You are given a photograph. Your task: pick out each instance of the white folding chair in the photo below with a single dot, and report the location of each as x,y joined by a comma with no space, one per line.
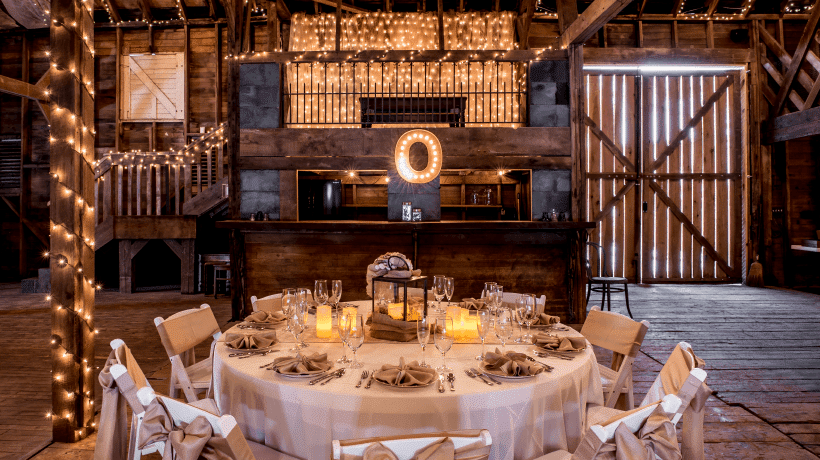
598,435
180,333
224,426
680,376
270,303
512,297
470,444
130,379
623,337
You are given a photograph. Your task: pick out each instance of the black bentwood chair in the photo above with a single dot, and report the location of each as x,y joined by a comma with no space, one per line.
604,283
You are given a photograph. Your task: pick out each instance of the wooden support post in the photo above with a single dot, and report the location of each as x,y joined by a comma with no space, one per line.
126,268
72,192
151,48
217,76
117,96
234,29
567,13
25,158
273,27
577,127
339,24
186,87
440,12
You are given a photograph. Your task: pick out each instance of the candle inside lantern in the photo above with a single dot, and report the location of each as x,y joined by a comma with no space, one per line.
396,310
352,311
470,324
458,328
324,322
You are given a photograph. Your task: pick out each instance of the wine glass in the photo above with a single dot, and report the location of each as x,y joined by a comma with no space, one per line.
530,313
487,295
296,324
423,333
520,311
444,338
449,286
288,302
438,290
343,323
320,293
483,325
337,292
503,327
302,296
355,338
498,297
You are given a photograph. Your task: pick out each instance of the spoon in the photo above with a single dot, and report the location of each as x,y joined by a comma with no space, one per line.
451,378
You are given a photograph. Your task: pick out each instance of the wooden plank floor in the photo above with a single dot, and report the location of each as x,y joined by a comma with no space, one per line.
760,348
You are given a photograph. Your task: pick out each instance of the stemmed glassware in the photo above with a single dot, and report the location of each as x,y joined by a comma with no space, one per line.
337,292
503,327
438,290
519,312
302,299
296,322
320,293
449,286
530,312
498,297
355,338
483,325
343,323
423,333
444,338
288,303
488,294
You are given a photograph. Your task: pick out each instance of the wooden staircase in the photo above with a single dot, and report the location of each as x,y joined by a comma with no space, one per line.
142,196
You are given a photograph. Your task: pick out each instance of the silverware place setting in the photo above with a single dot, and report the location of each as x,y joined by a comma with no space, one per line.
552,354
370,380
451,378
364,376
477,376
546,367
484,374
335,375
249,353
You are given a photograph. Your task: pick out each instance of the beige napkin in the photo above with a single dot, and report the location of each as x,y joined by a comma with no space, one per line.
511,363
112,437
439,450
384,327
302,364
553,343
184,442
405,375
250,341
657,437
546,320
472,304
263,316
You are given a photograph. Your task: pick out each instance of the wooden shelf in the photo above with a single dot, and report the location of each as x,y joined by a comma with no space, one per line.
495,206
364,205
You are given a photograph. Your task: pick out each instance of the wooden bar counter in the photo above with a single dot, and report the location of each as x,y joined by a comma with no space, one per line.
534,257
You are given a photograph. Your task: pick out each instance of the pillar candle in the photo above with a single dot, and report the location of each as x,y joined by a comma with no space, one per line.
455,313
324,322
396,310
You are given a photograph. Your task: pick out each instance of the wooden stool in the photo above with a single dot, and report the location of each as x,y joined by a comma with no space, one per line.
608,284
222,273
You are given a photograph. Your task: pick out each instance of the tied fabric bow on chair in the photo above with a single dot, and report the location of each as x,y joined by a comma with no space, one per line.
439,450
186,442
657,437
112,439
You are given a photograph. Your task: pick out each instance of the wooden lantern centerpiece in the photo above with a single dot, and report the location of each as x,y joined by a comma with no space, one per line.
396,302
395,310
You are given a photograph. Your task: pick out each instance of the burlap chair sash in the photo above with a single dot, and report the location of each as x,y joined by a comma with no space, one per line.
183,332
187,441
462,445
112,438
614,332
657,437
270,304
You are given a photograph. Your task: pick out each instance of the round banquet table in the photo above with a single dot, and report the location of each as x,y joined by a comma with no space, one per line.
525,417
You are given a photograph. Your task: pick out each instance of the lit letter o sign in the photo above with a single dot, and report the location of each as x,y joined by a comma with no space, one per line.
434,156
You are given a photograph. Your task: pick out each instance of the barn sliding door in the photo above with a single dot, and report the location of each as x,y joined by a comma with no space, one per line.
664,162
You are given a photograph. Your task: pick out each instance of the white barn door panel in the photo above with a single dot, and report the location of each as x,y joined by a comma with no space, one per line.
153,87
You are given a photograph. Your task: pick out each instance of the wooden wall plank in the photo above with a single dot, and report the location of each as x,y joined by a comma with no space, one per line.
708,126
673,187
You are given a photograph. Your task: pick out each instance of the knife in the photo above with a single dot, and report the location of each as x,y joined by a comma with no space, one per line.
370,380
441,383
492,379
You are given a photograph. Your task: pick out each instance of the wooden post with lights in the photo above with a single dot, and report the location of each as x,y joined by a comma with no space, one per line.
72,219
236,241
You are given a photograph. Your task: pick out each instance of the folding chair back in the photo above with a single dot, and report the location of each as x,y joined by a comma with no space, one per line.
130,379
623,337
270,303
512,297
471,444
180,333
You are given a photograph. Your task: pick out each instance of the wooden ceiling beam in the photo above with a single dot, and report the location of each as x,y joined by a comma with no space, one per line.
748,11
145,9
410,56
567,13
797,60
525,13
20,88
676,9
641,8
712,7
183,10
593,18
112,11
211,8
345,6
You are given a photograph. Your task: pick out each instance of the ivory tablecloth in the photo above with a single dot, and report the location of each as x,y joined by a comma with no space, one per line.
525,418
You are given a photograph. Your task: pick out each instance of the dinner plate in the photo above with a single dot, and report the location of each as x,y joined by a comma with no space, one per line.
301,376
249,325
495,373
247,350
388,385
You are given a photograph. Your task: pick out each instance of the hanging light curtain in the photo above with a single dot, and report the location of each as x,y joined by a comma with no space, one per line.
322,94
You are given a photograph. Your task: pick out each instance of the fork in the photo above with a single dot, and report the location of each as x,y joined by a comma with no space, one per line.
364,376
263,353
479,376
547,367
543,354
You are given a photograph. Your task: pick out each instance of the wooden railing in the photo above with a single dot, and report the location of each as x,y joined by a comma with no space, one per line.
158,183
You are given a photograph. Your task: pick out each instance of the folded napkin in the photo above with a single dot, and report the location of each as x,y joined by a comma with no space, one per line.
546,320
472,304
554,343
250,341
383,326
405,375
511,363
263,316
301,364
439,450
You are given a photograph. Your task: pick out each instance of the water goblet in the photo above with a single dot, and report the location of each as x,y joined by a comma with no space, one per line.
288,302
449,286
320,293
498,297
484,324
487,295
520,310
444,336
355,338
503,327
337,292
297,326
423,333
530,313
438,290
